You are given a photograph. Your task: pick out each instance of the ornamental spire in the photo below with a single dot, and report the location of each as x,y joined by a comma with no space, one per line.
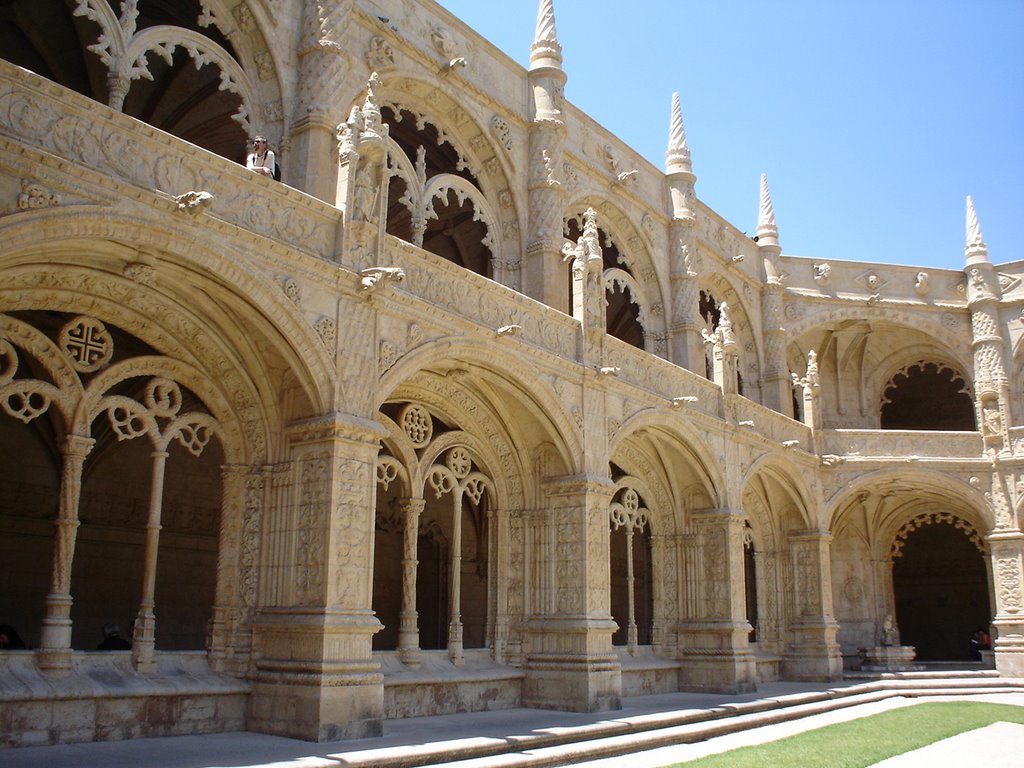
677,158
546,50
976,250
766,229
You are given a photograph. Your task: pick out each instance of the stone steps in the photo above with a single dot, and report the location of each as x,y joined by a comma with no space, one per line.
619,736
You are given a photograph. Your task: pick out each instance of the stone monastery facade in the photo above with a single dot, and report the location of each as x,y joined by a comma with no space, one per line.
474,409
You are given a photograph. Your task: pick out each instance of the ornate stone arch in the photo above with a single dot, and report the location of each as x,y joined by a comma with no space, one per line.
904,359
639,274
964,496
744,326
133,262
683,438
447,352
489,161
461,407
801,318
788,478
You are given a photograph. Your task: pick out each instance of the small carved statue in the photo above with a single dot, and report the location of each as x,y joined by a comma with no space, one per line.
889,633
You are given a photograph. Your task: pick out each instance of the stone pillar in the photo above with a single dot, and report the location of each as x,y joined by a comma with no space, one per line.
724,353
144,633
455,654
685,347
544,278
322,69
240,512
716,652
54,652
813,653
315,677
408,629
775,384
362,184
499,578
1006,544
571,664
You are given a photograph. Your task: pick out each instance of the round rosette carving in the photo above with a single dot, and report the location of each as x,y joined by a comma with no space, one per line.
417,425
86,343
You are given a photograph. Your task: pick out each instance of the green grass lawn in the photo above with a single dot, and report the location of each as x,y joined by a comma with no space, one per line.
867,740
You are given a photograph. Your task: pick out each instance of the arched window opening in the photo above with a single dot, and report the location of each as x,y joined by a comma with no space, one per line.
111,555
47,38
457,234
445,220
631,563
750,581
941,587
411,132
711,311
928,396
623,309
133,548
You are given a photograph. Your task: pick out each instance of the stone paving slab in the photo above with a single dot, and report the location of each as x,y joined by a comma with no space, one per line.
441,739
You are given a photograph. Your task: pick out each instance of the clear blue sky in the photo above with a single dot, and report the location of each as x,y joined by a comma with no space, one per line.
874,119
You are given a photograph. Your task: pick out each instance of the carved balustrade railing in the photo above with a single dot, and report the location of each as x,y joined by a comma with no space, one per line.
899,444
771,424
453,290
662,378
66,126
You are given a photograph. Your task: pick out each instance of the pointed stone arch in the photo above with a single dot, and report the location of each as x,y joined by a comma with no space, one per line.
636,276
488,160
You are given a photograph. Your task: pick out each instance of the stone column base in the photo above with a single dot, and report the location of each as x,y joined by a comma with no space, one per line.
563,673
315,677
814,654
718,671
890,658
319,707
1009,653
716,657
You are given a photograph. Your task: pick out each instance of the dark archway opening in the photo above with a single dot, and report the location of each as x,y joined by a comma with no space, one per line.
623,309
432,588
928,396
941,587
643,595
45,37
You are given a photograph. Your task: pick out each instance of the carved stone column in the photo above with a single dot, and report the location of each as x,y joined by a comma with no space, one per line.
363,180
724,353
813,653
323,65
241,501
54,653
455,654
144,634
315,677
684,327
544,278
1006,543
408,629
589,304
571,664
716,652
775,382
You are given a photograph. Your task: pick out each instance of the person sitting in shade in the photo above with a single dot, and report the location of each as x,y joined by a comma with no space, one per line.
261,159
112,640
10,640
